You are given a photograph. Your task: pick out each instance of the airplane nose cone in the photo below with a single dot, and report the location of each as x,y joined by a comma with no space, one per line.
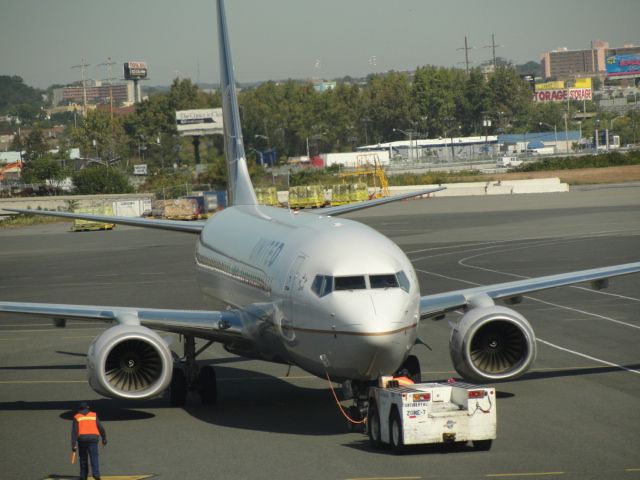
383,335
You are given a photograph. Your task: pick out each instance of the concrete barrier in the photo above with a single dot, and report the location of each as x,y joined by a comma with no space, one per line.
560,187
63,202
505,187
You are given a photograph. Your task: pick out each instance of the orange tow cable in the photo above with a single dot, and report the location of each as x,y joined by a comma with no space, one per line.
349,419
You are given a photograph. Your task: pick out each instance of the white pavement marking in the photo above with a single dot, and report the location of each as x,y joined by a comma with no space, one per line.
558,306
589,357
584,312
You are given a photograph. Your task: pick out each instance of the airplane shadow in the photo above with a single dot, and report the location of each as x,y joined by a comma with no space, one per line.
247,400
256,401
45,367
108,410
427,449
261,402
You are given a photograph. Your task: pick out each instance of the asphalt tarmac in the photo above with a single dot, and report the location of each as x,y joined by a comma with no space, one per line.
574,416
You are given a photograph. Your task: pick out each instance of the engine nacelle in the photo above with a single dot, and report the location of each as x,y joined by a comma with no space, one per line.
129,361
492,343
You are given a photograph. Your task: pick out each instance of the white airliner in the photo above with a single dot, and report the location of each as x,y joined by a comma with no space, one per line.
329,295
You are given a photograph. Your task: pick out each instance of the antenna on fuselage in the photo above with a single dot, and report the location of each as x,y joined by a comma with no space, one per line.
239,184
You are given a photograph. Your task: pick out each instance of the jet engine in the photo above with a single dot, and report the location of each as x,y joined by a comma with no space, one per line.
492,343
129,361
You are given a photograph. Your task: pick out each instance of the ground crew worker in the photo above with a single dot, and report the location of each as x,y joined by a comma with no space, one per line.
404,381
403,377
85,432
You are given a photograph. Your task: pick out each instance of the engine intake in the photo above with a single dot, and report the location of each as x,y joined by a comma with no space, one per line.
128,361
492,343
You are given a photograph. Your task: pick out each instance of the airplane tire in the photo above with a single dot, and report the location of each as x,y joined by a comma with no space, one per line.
178,389
373,425
395,433
208,386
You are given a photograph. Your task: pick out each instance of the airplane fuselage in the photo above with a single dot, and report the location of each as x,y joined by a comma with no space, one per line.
311,286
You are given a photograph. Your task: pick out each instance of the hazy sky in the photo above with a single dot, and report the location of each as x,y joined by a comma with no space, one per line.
275,39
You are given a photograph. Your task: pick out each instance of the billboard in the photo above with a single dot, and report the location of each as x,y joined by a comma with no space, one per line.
140,169
550,85
135,70
582,83
207,121
623,66
562,95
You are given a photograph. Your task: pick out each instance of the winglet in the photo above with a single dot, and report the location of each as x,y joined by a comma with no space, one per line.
241,190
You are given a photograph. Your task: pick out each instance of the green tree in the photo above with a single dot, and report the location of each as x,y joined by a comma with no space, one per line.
511,96
100,137
17,98
475,103
101,179
390,105
152,128
35,145
46,169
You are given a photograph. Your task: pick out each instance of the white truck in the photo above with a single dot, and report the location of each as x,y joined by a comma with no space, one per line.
506,162
426,413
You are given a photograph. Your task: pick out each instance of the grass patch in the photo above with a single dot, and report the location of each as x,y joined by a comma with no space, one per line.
27,219
602,160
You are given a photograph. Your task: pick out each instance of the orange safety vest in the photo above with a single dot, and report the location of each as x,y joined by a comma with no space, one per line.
87,423
402,381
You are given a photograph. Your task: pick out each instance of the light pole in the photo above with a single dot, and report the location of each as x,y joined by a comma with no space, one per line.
555,133
365,121
566,132
408,134
580,139
160,152
486,123
611,122
95,145
448,122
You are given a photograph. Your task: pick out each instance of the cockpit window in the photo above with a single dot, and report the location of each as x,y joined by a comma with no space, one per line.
404,281
325,284
322,285
383,281
355,282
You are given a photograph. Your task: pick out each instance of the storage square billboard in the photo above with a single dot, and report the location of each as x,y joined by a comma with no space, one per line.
205,121
562,95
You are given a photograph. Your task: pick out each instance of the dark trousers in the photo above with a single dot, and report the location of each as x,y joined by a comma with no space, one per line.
90,450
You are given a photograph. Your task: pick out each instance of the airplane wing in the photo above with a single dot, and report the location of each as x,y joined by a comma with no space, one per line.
213,325
175,225
352,207
441,303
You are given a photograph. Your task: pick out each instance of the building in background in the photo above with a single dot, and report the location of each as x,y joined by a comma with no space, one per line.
565,64
97,93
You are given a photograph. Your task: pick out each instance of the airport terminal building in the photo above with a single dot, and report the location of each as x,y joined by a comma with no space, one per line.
459,149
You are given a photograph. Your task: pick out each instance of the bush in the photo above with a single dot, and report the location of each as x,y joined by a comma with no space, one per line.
612,159
101,179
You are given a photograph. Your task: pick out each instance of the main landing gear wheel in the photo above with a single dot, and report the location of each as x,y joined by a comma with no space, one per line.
373,425
178,389
207,385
